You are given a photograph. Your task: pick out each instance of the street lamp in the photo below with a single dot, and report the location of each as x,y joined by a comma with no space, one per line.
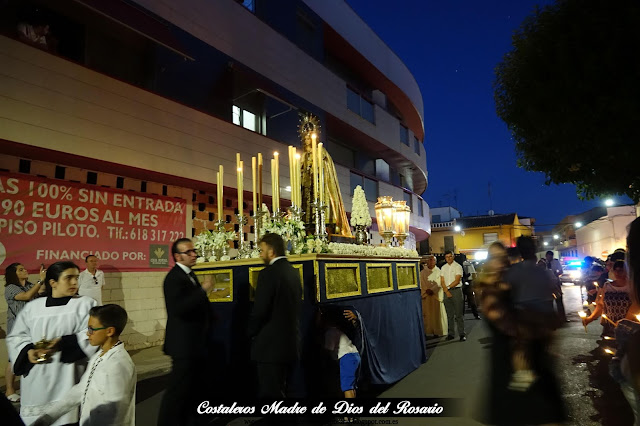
608,202
545,243
578,224
457,228
556,236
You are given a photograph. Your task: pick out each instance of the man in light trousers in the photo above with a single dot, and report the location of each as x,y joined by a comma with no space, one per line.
451,281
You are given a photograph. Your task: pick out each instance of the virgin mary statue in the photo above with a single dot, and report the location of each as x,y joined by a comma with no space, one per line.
336,217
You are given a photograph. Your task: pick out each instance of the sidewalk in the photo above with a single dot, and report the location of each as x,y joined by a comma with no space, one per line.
150,362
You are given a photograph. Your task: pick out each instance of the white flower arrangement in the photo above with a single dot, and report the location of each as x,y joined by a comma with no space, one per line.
207,243
289,228
360,209
315,245
367,251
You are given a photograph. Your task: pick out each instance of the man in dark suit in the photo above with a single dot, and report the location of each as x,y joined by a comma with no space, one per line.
188,320
275,321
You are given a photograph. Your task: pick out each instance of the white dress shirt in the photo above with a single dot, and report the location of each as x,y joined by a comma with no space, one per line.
187,271
449,273
91,285
106,393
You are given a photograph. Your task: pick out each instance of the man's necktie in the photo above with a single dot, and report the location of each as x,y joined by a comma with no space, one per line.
194,278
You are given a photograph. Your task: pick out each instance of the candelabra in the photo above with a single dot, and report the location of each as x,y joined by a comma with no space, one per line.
295,213
221,253
277,215
257,227
319,209
243,251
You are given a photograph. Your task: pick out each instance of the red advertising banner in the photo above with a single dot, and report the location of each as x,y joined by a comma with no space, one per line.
45,220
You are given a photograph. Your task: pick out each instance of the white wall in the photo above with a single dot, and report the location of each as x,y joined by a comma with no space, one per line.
447,214
604,235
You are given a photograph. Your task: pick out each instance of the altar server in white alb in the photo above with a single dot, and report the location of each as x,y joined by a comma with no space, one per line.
106,393
60,318
91,280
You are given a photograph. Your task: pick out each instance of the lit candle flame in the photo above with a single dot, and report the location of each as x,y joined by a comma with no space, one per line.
608,338
583,315
609,351
638,317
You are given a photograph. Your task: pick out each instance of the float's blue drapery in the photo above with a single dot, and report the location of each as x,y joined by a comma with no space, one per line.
394,341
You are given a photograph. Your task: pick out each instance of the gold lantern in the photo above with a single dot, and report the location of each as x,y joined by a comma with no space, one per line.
384,215
401,218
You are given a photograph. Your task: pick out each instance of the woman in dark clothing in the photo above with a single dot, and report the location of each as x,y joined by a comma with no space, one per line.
18,291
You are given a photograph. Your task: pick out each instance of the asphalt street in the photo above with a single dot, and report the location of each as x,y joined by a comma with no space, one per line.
459,370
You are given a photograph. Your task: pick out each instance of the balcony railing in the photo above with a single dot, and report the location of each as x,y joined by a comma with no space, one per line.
442,225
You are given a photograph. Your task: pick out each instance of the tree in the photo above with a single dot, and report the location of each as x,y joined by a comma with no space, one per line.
569,92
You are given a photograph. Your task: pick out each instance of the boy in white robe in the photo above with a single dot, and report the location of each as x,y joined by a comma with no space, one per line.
106,393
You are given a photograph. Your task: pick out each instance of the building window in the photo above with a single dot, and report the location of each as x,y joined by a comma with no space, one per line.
404,135
353,101
92,178
25,166
490,238
420,209
360,105
341,154
416,145
366,110
409,199
383,171
436,218
448,243
370,186
60,172
244,118
249,5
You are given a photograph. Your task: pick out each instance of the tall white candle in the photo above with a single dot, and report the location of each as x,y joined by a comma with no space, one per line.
298,175
240,186
276,157
260,165
220,192
254,177
314,158
273,185
291,181
320,174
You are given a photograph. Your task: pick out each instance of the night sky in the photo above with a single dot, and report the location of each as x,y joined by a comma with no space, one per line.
452,47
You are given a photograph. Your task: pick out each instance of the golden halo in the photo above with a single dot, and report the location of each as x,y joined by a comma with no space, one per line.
309,124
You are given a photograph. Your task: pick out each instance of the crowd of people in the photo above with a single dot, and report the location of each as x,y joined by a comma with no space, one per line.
65,343
56,325
66,347
522,302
